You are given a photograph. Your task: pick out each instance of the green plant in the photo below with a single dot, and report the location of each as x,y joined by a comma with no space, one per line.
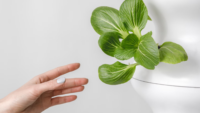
127,24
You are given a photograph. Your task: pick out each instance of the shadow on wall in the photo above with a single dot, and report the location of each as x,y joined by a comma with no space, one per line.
159,22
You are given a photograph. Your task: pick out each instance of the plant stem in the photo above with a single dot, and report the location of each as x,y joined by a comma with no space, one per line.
124,34
135,64
137,32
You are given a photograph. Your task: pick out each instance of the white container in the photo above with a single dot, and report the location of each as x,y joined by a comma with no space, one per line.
169,99
173,88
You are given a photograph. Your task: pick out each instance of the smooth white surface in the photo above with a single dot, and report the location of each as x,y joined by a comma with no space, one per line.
177,21
61,80
39,35
168,99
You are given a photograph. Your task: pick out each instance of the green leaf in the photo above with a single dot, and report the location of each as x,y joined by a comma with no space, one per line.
149,18
134,14
130,43
147,53
128,47
110,45
106,19
109,42
172,53
116,73
123,54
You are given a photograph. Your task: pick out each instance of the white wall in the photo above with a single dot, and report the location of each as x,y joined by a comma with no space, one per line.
39,35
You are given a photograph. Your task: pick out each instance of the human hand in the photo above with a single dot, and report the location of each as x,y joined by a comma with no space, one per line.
36,95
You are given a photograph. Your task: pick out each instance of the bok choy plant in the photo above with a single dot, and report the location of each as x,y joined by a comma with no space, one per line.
127,24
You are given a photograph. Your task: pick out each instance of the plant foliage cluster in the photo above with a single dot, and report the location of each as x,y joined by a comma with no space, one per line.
127,24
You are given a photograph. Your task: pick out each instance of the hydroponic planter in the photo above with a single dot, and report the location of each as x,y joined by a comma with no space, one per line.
173,88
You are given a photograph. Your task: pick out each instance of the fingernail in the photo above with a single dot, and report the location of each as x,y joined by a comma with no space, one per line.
61,80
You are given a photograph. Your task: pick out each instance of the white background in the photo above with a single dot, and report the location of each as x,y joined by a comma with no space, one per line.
39,35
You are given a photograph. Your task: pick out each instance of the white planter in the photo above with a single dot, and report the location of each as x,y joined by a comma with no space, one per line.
173,88
169,99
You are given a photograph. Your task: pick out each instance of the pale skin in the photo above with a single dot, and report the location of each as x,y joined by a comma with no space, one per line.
36,95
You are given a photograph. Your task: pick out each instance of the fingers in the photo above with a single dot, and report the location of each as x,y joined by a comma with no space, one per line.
52,74
53,85
69,90
62,100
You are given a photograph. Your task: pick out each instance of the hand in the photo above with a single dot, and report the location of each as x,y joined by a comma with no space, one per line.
36,95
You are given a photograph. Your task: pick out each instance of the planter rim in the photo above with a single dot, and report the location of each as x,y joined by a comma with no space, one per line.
153,83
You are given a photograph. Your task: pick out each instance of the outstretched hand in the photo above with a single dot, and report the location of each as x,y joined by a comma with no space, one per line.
36,95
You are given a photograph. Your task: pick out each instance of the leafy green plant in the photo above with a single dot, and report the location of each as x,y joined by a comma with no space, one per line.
126,24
